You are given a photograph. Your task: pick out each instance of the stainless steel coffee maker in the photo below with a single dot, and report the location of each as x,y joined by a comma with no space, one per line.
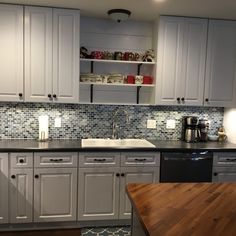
190,130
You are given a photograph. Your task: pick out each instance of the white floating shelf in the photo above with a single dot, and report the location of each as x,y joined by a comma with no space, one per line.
111,84
118,61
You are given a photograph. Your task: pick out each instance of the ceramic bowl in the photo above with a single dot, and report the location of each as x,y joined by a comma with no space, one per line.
212,137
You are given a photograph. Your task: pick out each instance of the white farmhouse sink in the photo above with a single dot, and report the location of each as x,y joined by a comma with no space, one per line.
118,143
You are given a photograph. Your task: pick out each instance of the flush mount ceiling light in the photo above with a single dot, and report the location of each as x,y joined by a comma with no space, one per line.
119,14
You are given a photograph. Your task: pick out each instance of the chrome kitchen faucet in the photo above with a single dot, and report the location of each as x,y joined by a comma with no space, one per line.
115,125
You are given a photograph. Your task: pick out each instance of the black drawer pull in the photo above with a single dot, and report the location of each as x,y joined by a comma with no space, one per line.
229,159
49,95
56,160
122,175
215,174
54,95
100,160
13,176
36,176
20,95
21,160
207,99
117,175
178,99
182,99
140,160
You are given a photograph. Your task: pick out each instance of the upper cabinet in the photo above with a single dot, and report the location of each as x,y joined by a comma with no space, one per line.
11,56
52,55
181,61
220,84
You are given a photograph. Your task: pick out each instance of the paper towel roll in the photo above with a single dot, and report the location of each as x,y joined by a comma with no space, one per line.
43,128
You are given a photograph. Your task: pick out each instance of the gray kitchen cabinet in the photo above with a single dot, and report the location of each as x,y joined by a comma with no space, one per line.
21,195
181,61
102,180
11,48
55,191
134,175
98,193
38,54
220,81
21,187
3,188
224,167
52,55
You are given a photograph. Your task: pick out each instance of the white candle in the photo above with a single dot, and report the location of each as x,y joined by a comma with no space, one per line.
43,127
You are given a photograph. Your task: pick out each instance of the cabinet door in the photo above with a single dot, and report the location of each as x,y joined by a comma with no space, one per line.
11,57
170,50
181,61
98,193
3,188
21,195
191,83
134,175
220,82
66,53
55,191
38,54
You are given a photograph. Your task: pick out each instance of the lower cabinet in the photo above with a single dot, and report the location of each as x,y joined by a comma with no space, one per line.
98,193
3,188
134,175
102,194
21,187
224,167
21,195
55,191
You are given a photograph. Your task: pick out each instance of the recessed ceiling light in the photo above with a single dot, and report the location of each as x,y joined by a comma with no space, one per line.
119,14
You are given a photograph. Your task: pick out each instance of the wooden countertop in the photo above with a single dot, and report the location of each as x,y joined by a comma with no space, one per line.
186,209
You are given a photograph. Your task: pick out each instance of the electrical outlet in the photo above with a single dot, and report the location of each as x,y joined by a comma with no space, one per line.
57,123
151,124
170,124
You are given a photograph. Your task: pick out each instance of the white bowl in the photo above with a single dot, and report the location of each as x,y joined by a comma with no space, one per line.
213,137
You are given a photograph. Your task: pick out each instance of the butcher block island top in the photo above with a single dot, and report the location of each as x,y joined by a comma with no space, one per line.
196,209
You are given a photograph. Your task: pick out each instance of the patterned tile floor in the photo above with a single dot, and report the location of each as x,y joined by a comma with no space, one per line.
109,231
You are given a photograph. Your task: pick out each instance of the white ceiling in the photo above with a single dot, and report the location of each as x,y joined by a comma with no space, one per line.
147,10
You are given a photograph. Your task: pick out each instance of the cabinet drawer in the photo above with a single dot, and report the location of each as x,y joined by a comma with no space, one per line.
224,174
89,159
58,159
21,160
140,158
224,159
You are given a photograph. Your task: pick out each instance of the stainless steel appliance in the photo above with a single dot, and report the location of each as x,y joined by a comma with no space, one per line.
183,167
190,130
203,126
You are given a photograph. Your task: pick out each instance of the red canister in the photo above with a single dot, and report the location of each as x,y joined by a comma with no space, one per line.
130,79
147,79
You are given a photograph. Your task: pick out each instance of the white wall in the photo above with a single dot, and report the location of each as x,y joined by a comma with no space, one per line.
229,124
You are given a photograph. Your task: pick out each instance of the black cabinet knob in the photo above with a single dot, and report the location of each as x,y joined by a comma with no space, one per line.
36,176
182,99
207,100
13,176
21,161
178,99
49,95
54,95
215,174
20,95
117,174
122,175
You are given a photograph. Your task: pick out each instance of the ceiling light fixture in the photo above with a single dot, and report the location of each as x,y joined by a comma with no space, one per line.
119,14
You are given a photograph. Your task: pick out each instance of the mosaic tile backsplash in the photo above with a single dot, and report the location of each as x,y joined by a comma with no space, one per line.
20,120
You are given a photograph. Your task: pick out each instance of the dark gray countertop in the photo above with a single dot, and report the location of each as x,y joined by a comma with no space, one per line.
20,145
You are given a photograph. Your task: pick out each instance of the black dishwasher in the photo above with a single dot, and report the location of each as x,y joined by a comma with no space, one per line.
186,167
